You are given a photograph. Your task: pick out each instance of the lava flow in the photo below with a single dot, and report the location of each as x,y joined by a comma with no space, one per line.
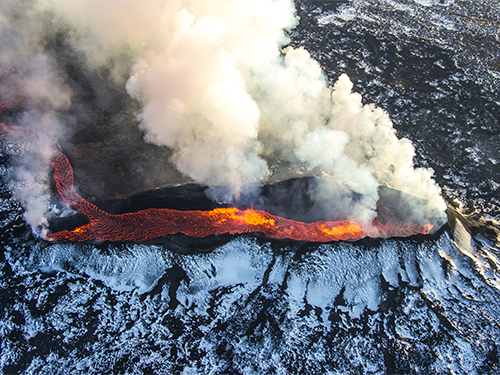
160,222
154,223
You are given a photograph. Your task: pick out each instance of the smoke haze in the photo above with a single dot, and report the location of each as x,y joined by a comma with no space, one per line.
23,37
220,88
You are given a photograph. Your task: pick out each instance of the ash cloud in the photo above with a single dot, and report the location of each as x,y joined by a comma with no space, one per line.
237,107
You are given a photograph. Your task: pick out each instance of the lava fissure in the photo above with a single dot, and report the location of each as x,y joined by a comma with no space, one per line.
160,222
154,223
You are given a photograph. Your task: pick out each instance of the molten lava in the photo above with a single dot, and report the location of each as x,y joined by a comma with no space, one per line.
160,222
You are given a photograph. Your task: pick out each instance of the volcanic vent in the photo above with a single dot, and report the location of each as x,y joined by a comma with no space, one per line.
154,223
349,168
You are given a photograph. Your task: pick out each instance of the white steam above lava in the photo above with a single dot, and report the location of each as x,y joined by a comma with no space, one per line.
219,86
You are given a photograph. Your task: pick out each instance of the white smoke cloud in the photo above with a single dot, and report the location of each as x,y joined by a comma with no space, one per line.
233,104
351,191
196,103
22,36
28,178
31,192
223,95
238,108
373,144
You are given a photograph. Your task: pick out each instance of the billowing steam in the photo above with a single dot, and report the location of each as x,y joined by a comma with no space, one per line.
238,108
23,35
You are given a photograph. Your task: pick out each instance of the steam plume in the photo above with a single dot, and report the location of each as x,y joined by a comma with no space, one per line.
238,108
23,35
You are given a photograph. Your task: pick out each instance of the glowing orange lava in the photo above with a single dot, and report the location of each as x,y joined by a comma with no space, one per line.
161,222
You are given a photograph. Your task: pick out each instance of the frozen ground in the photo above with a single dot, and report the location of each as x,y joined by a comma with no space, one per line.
253,307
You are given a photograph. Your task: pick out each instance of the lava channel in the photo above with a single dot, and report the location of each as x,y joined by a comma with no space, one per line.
156,223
